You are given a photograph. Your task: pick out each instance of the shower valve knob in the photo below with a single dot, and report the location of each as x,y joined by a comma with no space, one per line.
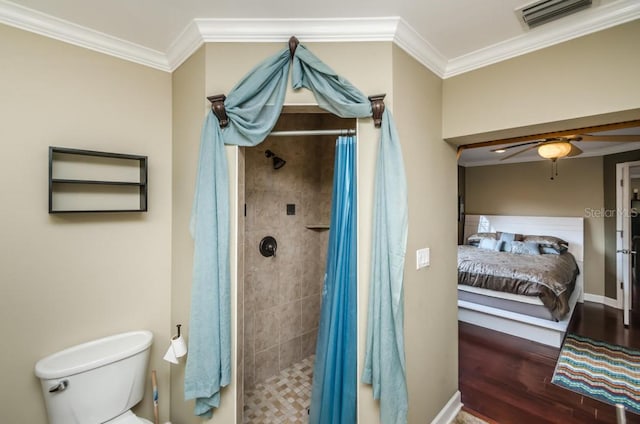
268,247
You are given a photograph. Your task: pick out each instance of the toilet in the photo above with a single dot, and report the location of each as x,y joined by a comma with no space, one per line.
98,381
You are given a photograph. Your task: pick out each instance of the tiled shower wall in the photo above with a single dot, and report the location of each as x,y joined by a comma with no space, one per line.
282,294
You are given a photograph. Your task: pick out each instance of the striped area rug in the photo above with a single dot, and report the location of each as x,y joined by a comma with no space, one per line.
605,372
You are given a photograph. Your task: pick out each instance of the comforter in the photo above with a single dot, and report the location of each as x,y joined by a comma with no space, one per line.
549,277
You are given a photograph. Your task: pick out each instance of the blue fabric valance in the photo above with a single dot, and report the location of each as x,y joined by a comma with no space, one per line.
253,107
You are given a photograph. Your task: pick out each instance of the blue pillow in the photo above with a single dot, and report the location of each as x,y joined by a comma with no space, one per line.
548,250
548,241
474,239
525,248
507,239
490,244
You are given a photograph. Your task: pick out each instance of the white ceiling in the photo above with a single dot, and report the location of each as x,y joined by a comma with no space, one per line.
449,37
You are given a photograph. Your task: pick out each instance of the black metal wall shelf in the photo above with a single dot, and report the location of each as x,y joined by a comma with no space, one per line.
116,182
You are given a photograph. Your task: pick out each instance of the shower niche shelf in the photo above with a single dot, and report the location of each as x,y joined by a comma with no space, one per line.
317,227
92,181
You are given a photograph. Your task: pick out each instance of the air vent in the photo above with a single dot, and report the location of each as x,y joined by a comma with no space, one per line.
547,10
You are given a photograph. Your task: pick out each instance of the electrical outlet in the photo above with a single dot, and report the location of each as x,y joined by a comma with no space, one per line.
422,258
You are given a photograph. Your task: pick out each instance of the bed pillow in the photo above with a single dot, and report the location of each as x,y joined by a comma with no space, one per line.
548,250
548,241
516,236
474,239
490,244
525,248
507,239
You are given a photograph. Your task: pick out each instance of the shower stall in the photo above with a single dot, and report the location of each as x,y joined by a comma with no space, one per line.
286,198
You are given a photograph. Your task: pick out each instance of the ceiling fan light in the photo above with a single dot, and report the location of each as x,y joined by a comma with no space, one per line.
555,150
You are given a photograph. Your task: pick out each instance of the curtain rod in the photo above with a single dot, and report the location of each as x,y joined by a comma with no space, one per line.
346,131
218,108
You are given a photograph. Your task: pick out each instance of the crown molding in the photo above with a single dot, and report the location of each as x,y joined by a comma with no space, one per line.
311,30
590,21
393,29
420,49
189,40
40,23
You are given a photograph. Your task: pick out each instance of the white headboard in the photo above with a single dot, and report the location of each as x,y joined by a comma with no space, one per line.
570,229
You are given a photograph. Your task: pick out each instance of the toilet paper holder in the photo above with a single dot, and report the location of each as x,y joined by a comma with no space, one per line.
177,348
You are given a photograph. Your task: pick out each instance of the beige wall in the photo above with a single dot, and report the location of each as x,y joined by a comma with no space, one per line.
526,189
189,107
66,279
431,323
592,75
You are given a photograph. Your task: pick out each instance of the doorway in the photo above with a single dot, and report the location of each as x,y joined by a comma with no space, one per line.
628,236
634,179
286,186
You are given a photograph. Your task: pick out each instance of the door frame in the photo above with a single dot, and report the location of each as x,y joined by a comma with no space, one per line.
623,239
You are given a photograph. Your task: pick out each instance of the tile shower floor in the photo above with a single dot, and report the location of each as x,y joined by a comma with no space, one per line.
283,398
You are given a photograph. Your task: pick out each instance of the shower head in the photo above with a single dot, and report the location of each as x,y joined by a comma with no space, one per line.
277,161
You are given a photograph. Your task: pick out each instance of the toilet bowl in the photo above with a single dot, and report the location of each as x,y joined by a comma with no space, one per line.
98,381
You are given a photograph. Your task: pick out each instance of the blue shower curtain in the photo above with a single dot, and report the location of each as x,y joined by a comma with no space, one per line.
333,396
253,107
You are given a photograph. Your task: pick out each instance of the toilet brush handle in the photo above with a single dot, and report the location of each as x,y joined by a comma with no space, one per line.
154,383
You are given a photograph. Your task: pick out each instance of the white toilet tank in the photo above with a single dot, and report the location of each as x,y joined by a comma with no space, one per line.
96,381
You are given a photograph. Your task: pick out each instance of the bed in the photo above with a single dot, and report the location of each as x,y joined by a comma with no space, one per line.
525,294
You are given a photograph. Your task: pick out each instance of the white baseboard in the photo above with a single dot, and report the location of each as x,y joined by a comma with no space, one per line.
596,298
450,410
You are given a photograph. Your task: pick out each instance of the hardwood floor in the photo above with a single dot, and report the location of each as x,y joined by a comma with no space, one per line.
508,379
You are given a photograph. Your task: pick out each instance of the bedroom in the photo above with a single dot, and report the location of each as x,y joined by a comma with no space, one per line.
484,111
526,189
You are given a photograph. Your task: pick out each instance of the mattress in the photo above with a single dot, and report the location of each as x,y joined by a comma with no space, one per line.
549,278
526,305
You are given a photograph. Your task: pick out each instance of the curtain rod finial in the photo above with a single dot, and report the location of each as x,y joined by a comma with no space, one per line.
377,108
217,106
293,45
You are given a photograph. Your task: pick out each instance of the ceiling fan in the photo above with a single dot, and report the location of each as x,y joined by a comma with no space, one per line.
558,147
555,148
